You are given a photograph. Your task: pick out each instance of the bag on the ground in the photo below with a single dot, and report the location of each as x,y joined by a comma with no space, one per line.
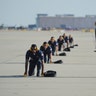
50,73
62,54
67,49
58,62
72,46
75,44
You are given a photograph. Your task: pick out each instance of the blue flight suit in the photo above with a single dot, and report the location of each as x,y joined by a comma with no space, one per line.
35,59
60,43
53,46
70,40
46,53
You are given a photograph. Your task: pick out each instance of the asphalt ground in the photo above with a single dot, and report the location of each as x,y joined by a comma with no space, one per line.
75,77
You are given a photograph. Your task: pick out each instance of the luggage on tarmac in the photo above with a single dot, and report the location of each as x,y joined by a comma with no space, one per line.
50,73
58,62
62,54
67,49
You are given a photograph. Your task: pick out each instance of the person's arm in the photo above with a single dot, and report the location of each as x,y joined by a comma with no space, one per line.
50,54
26,63
67,41
72,41
42,71
41,48
42,62
50,57
56,48
26,67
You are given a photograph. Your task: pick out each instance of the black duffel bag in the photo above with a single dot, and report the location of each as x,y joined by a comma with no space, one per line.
75,44
50,73
62,54
58,62
67,49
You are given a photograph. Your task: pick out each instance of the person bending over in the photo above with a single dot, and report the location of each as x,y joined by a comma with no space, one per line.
60,41
35,58
54,45
47,51
66,41
71,41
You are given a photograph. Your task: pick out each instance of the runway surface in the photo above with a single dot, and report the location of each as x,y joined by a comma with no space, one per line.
75,77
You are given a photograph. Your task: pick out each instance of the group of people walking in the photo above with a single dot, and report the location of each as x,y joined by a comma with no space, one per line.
37,57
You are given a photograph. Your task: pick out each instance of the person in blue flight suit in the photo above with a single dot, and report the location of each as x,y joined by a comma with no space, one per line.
35,58
54,45
60,41
47,51
71,41
66,40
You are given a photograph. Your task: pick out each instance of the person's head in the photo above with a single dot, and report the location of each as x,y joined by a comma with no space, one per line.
64,35
34,48
52,39
45,45
70,36
60,38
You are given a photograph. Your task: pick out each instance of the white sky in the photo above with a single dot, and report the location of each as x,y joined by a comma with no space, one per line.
24,12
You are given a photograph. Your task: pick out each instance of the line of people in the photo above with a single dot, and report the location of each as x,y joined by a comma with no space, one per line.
37,57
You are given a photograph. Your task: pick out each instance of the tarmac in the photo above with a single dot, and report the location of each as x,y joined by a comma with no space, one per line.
75,77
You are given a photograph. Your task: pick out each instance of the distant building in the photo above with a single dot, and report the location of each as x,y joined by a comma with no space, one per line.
32,26
67,21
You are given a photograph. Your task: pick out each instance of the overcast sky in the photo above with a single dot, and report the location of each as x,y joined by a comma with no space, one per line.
24,12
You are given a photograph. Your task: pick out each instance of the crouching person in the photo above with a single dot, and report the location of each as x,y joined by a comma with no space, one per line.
71,41
54,45
47,51
35,58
